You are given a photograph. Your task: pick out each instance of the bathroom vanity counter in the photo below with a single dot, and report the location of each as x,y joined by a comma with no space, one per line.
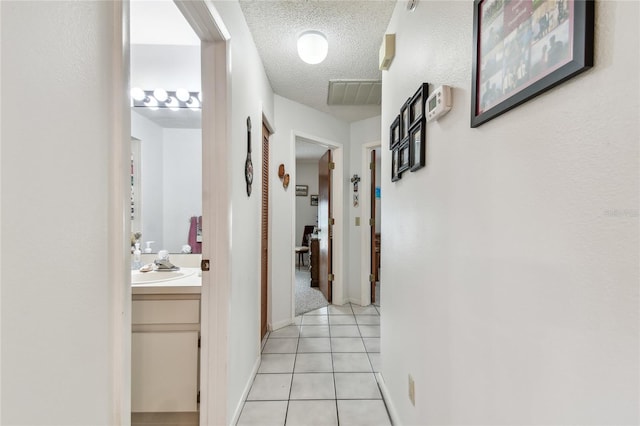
165,334
185,281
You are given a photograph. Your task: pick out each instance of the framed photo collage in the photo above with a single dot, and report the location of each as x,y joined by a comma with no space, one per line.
407,135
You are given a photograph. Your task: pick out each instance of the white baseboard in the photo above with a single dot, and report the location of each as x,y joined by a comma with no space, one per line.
245,393
355,301
280,324
395,420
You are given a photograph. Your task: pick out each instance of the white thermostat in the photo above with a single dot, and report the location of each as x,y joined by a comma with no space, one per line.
439,103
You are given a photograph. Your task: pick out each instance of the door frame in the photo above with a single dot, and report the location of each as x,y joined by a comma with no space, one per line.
337,200
216,85
216,80
365,232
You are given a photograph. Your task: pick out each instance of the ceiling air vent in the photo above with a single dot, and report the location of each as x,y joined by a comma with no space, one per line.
354,92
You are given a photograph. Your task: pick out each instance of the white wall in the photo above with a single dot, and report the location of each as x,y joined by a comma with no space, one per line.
361,132
292,117
306,214
58,74
251,95
165,66
512,258
151,179
182,185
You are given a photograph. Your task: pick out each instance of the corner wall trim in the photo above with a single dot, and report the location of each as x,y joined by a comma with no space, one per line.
280,324
245,392
395,420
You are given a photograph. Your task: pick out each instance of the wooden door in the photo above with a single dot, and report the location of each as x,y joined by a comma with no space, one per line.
264,239
324,223
373,274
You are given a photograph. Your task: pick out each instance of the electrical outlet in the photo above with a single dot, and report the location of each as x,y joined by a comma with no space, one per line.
412,391
357,220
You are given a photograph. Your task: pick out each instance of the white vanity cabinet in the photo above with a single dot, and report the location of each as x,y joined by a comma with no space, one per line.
165,354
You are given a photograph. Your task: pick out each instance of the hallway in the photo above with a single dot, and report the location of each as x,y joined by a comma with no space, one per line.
320,371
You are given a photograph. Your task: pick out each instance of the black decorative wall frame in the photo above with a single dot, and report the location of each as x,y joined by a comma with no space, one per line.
417,147
394,133
416,105
395,175
407,135
522,49
404,120
404,156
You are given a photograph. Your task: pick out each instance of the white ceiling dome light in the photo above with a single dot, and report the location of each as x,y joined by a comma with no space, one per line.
312,47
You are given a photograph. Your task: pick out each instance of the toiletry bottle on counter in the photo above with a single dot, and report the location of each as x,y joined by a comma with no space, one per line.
137,254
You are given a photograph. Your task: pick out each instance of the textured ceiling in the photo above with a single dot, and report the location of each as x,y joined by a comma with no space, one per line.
354,30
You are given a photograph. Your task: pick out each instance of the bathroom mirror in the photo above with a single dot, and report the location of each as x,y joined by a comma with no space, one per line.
167,178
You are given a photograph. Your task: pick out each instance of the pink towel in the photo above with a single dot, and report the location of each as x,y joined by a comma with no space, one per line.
195,234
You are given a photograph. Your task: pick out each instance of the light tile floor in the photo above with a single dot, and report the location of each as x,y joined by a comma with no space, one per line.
320,371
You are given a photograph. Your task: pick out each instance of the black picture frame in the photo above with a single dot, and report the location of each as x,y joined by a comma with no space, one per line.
394,133
314,200
524,49
302,190
404,120
417,147
395,175
404,156
417,104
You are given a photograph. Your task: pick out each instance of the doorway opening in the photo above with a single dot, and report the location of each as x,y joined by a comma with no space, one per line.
167,220
209,307
375,222
308,296
318,227
370,236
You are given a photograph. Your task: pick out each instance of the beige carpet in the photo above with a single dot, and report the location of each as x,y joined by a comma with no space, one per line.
307,298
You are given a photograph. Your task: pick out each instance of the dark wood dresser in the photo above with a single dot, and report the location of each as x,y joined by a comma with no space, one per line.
314,262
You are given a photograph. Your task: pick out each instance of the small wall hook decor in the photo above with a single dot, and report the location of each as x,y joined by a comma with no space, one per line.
281,171
248,165
285,181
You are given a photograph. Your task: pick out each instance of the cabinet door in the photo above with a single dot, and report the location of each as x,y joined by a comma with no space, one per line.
164,371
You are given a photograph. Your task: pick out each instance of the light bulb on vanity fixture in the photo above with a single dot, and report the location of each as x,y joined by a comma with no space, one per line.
312,47
161,95
138,94
161,98
183,95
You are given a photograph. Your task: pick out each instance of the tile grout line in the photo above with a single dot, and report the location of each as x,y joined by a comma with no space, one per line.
333,370
293,371
331,352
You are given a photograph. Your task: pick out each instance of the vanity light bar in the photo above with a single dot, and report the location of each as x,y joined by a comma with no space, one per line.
160,98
